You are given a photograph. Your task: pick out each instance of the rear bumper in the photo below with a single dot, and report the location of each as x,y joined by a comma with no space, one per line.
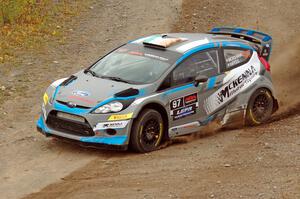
117,142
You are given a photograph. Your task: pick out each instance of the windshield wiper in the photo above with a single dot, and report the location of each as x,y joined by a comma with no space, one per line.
91,72
118,79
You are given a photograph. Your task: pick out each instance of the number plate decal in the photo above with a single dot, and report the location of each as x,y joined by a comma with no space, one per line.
184,106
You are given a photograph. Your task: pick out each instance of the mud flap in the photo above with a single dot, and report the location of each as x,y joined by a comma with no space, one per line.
234,119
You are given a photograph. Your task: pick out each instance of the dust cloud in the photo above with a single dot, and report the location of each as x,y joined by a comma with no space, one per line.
285,69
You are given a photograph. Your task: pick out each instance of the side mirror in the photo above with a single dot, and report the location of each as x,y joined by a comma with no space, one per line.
200,79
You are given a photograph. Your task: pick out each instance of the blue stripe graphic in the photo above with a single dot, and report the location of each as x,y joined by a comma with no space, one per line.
115,140
174,90
41,124
211,82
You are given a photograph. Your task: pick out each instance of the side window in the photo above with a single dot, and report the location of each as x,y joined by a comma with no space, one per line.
202,63
236,57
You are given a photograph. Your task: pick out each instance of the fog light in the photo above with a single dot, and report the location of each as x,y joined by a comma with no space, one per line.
111,131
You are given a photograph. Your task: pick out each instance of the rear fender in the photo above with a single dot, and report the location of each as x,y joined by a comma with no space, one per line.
236,111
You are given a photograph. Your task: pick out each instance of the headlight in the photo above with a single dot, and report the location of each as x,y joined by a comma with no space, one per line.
114,107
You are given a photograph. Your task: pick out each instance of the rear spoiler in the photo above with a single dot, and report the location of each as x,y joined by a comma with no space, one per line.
261,40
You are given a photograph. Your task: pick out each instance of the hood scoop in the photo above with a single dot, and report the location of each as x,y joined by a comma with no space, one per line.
127,93
87,91
69,80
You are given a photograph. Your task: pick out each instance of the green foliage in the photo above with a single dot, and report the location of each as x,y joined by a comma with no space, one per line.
10,10
31,11
26,23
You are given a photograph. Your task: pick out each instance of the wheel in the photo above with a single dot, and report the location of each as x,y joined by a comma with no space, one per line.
147,131
260,107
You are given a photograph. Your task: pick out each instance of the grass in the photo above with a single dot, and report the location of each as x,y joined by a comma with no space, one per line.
25,24
29,25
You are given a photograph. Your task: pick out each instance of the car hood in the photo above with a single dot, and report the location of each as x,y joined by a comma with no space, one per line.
86,90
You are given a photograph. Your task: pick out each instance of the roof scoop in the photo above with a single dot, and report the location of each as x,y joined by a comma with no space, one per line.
162,41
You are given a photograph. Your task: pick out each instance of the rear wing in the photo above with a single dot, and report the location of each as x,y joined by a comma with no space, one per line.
262,41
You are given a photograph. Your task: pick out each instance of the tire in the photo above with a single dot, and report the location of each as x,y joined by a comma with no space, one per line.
147,131
260,107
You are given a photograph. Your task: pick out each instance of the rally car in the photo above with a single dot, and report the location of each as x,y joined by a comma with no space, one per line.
158,87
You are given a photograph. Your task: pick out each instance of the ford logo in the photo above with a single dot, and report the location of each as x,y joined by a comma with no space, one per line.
81,93
71,104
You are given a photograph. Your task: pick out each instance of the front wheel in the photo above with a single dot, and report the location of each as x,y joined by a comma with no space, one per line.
147,131
260,107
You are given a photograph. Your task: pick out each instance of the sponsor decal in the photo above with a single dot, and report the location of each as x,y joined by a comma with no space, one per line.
184,106
190,99
81,93
142,54
156,57
240,81
89,101
238,58
185,111
120,117
45,98
111,125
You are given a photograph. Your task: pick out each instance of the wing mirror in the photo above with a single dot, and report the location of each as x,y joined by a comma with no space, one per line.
200,79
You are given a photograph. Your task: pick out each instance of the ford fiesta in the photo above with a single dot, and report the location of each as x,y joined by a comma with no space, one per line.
162,86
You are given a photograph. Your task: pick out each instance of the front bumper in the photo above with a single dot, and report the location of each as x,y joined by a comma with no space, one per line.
119,141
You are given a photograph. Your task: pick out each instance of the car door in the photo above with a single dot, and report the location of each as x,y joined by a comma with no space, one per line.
185,101
235,70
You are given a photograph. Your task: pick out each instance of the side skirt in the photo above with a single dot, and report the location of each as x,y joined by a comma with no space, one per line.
184,129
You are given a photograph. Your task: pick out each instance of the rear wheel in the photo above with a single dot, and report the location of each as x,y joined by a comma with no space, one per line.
260,107
147,131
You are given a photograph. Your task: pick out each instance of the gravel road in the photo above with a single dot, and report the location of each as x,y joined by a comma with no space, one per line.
258,162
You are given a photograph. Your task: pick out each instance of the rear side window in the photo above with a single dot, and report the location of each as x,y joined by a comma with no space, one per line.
204,63
236,57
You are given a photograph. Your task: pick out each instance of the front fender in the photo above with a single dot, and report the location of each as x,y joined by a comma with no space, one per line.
140,103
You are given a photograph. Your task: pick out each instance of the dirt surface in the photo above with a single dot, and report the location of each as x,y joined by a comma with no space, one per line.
259,162
28,161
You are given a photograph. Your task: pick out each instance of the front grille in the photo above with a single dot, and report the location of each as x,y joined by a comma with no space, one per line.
77,106
69,126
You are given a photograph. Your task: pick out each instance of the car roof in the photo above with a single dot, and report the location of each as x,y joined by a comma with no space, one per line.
190,41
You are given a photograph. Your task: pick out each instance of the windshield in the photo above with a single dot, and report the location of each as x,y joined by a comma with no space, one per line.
131,66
